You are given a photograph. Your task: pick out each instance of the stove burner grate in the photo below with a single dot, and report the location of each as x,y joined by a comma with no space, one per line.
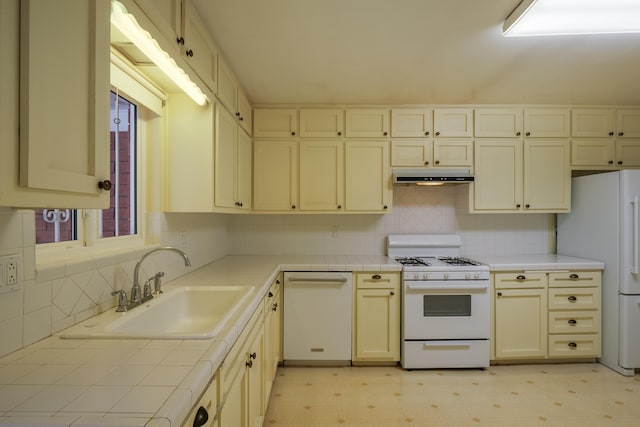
458,261
411,261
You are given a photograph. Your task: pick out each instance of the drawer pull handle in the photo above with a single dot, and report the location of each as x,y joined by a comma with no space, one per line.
572,299
202,416
574,277
376,277
275,307
572,322
520,278
572,345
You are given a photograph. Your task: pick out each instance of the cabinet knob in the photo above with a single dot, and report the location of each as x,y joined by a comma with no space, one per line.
270,294
237,113
189,53
426,133
518,133
426,163
572,299
105,185
437,162
620,133
572,322
249,363
518,206
376,277
528,134
201,418
339,206
392,293
253,355
521,278
499,294
610,133
527,206
385,133
293,206
241,119
293,134
275,307
619,162
572,345
437,133
180,40
339,133
384,207
610,162
574,276
277,281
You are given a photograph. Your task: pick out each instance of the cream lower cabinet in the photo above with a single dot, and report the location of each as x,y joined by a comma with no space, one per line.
321,175
272,335
520,315
275,175
517,176
377,317
242,375
54,123
367,176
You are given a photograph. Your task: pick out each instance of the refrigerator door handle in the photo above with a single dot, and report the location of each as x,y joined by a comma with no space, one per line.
634,267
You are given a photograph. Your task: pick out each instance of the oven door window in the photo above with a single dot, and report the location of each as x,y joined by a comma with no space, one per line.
446,305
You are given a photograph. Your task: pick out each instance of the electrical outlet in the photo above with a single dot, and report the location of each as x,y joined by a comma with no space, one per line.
12,273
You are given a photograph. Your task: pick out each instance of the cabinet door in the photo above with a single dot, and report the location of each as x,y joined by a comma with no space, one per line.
628,123
453,122
368,181
226,159
521,323
255,378
498,176
498,122
244,170
547,176
244,111
321,175
275,123
200,51
411,152
64,125
233,412
166,15
411,122
378,324
628,152
593,152
227,87
547,122
321,123
275,175
592,122
367,123
453,152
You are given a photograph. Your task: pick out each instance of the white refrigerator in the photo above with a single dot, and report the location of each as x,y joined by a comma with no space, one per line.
604,225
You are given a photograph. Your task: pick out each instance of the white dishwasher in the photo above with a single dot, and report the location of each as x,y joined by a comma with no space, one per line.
317,317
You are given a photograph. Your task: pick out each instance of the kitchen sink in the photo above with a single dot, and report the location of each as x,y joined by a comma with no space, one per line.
188,312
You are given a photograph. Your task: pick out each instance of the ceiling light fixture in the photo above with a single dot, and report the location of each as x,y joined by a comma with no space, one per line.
127,24
564,17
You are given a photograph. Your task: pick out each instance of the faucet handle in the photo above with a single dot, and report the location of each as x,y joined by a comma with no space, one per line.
146,290
122,300
157,282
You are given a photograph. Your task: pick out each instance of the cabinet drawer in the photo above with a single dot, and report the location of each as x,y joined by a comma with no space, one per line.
574,298
377,280
574,278
520,280
573,322
587,345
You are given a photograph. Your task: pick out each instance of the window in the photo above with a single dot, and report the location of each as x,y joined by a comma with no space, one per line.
121,219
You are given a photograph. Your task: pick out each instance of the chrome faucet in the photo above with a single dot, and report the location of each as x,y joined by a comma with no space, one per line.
136,297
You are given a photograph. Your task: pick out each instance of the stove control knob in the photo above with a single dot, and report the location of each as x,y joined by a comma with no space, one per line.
476,276
425,276
415,276
446,276
467,276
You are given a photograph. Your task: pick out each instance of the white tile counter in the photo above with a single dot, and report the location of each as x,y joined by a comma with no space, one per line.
142,382
537,262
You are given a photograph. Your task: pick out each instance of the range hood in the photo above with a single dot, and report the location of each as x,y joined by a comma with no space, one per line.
432,176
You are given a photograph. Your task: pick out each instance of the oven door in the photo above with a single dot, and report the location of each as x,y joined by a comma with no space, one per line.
446,310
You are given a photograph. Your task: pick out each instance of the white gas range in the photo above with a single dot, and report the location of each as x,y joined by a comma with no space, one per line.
445,303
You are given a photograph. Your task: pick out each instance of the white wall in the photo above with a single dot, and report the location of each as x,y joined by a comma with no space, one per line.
415,210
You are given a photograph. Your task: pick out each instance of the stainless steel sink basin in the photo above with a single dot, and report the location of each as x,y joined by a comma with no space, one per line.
189,312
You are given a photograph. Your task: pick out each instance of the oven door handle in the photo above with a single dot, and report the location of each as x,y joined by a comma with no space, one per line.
412,287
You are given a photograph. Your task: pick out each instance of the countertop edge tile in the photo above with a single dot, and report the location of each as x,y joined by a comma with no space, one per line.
177,406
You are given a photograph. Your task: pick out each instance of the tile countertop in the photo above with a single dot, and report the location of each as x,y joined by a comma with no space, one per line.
538,262
143,382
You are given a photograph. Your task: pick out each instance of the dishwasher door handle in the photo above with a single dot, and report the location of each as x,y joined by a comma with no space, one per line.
318,280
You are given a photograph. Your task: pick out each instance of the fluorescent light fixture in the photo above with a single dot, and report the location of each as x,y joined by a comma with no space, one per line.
563,17
127,24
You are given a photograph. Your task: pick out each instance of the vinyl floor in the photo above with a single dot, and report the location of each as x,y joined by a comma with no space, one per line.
567,395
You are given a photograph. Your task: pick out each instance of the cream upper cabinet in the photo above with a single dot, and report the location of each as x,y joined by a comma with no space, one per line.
377,317
592,122
547,176
411,122
628,152
368,177
547,122
231,95
498,122
411,152
275,123
232,163
321,175
628,123
517,176
453,122
275,175
166,15
367,123
453,152
593,152
321,123
520,304
46,161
